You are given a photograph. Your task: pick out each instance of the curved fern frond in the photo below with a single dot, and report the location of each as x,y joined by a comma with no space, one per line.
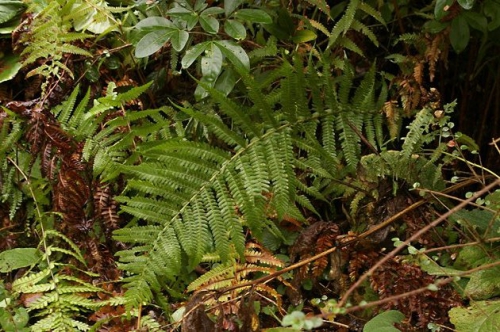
59,299
198,198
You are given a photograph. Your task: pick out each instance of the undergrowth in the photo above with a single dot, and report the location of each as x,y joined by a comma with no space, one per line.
199,166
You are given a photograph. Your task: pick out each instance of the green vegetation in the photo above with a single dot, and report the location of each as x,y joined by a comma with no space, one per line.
237,165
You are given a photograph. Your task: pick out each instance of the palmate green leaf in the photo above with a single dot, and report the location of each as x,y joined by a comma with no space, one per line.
154,22
211,63
253,15
153,41
480,316
235,29
226,81
209,24
179,39
194,53
230,6
207,20
235,54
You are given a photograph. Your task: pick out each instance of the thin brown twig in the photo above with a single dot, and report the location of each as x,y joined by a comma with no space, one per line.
438,283
414,237
393,298
437,193
345,244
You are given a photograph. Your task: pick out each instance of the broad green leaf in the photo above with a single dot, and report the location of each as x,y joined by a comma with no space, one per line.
211,63
152,42
212,11
14,319
230,6
471,257
484,284
200,5
459,34
194,53
303,36
6,28
441,8
226,81
434,269
207,20
235,53
254,16
492,10
9,66
180,11
200,92
179,39
153,22
17,258
10,9
209,24
384,322
235,29
486,223
493,200
476,20
466,4
435,26
189,17
479,317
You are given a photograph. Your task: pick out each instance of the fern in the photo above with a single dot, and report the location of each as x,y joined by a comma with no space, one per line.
198,198
49,40
57,298
417,130
234,273
337,36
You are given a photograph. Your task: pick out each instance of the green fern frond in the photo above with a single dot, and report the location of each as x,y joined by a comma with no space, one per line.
361,27
322,5
419,126
199,199
372,12
408,38
344,24
348,44
318,26
222,272
49,40
63,297
348,139
268,50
